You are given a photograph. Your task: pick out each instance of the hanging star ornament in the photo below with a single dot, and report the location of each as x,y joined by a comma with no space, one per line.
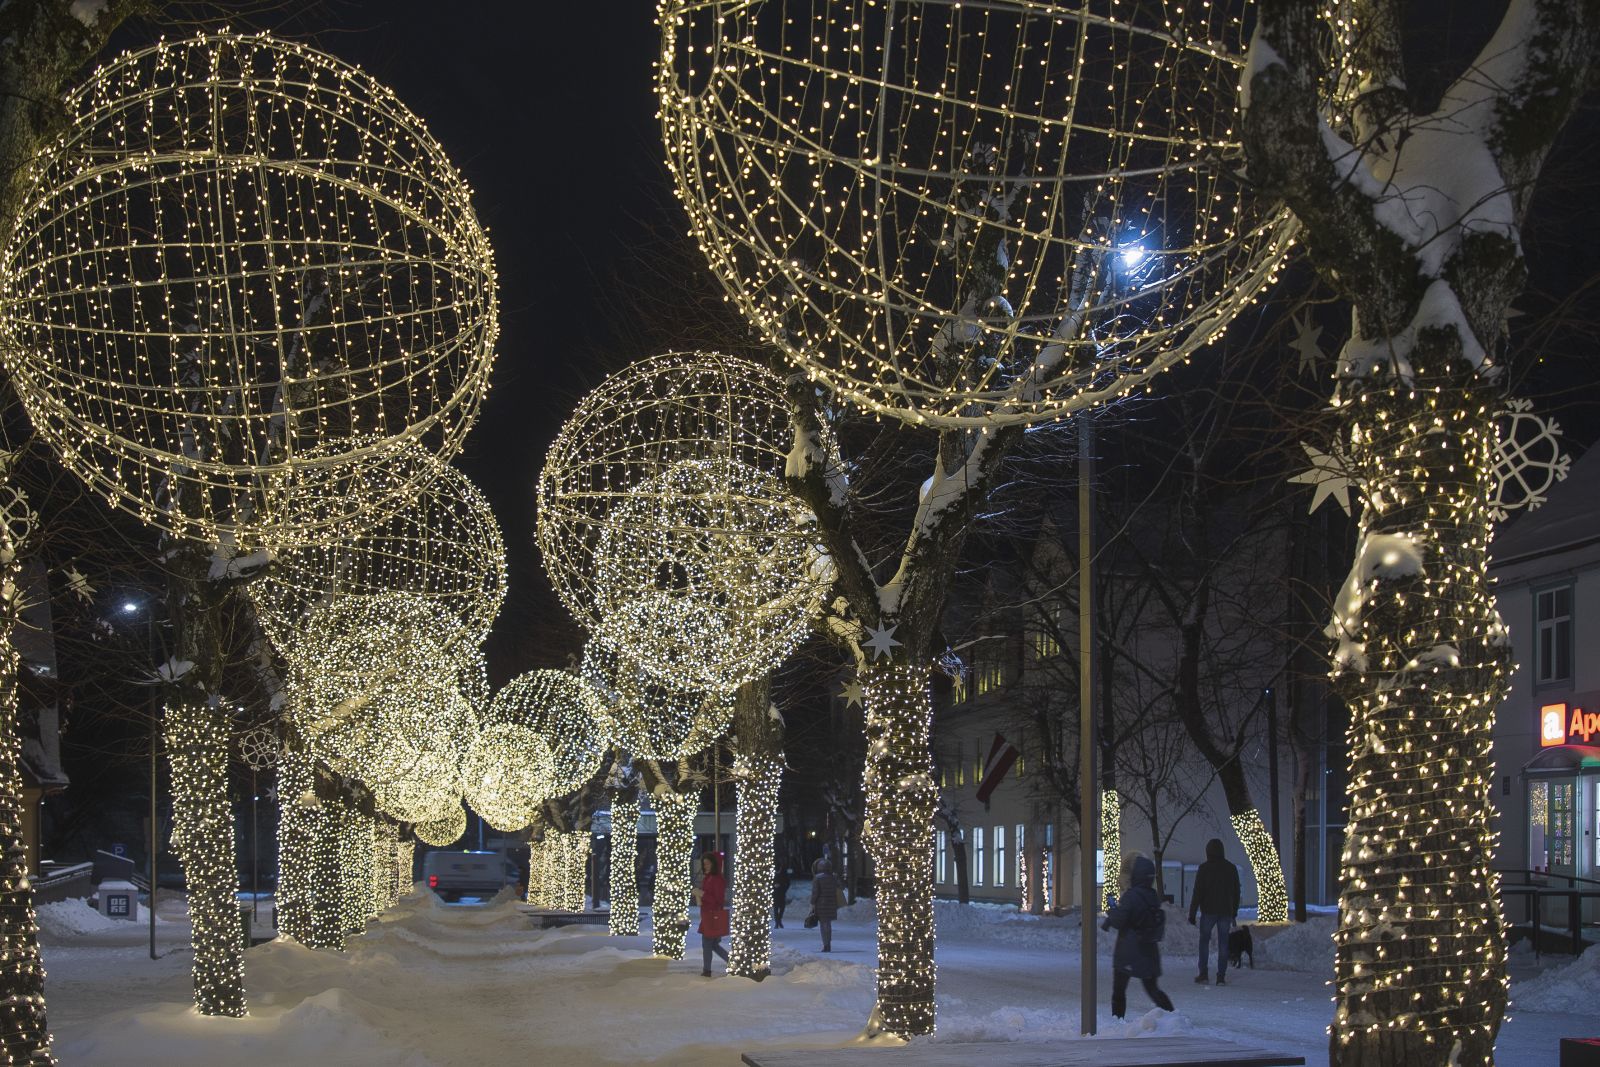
1328,475
1305,342
881,641
851,693
78,583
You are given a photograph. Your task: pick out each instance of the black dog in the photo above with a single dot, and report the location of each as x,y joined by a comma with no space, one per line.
1240,945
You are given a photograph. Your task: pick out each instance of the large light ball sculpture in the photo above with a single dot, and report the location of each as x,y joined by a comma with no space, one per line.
445,830
443,547
507,773
663,516
244,264
968,214
649,717
566,712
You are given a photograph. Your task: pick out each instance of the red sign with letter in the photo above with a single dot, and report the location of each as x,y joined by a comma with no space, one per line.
1563,724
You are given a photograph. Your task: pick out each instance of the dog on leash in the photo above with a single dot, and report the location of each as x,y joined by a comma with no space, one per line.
1240,945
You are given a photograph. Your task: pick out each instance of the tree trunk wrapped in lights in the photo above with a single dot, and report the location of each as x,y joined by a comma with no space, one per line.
901,797
199,746
23,1036
296,832
573,857
669,915
1111,838
624,918
355,866
758,770
405,859
1420,654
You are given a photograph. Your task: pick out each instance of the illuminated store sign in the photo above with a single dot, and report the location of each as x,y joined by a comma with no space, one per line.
1561,724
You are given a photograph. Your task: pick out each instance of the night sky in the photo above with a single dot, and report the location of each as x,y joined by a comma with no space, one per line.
548,109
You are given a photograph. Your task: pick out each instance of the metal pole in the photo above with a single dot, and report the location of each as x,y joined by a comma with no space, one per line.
255,852
153,823
1272,763
716,796
1088,744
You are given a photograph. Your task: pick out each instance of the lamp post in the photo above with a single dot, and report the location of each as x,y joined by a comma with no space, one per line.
131,607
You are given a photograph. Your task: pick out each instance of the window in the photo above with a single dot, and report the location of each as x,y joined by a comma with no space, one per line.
999,855
991,676
1017,843
1553,619
1045,644
960,691
978,854
1559,832
1022,771
939,867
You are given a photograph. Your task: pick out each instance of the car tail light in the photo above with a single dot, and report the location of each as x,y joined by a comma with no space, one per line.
433,881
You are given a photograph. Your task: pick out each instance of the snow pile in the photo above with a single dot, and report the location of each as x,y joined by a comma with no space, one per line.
1573,987
1003,922
75,918
1306,946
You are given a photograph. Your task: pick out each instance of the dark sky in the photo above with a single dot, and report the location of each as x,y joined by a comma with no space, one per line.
548,109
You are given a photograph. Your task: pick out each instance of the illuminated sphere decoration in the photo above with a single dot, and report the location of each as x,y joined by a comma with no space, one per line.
443,547
243,264
446,830
665,525
507,773
651,718
968,214
567,713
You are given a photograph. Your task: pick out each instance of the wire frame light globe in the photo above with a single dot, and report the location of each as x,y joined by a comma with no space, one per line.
665,525
444,830
243,263
507,773
443,547
650,717
968,214
567,713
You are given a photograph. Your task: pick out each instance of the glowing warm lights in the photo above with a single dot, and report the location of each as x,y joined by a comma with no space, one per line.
757,779
898,832
669,914
650,718
968,214
1272,898
665,526
507,774
557,870
566,713
1111,839
624,918
245,261
445,830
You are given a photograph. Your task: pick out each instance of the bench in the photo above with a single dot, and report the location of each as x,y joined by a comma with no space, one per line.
546,919
1091,1052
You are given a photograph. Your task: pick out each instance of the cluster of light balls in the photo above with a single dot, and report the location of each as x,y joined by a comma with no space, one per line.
651,718
665,526
1420,948
243,265
968,214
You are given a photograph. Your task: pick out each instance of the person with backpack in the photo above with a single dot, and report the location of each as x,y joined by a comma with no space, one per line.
824,902
1216,898
1137,917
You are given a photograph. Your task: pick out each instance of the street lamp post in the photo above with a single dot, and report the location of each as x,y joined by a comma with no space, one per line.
131,607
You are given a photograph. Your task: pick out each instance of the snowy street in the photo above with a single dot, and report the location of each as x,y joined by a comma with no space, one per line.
433,985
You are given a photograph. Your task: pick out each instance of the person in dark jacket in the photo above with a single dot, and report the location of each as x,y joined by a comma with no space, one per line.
1137,918
712,896
825,901
1216,898
780,894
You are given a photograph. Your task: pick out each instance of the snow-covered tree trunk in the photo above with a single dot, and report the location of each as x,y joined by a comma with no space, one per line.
199,746
669,915
624,917
1413,211
758,771
898,834
23,1036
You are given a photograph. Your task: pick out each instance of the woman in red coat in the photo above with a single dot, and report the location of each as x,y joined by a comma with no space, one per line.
712,897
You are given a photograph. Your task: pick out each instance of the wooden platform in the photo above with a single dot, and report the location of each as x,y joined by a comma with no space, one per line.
1090,1052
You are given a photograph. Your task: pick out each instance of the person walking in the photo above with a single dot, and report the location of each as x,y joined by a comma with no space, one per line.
1140,924
825,901
1216,898
712,896
780,893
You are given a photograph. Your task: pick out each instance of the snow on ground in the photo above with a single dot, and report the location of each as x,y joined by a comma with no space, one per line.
434,984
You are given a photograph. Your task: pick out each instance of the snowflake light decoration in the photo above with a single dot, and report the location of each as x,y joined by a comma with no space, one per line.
244,262
968,214
665,526
260,748
444,547
1529,459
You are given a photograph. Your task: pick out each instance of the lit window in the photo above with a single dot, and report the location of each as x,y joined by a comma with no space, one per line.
1553,615
1017,843
1045,644
943,839
991,676
978,854
999,855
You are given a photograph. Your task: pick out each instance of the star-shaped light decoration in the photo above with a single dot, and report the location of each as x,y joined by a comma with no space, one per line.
1328,475
958,687
851,693
78,583
1305,342
881,640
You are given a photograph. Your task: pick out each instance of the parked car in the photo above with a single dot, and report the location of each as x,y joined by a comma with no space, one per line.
454,875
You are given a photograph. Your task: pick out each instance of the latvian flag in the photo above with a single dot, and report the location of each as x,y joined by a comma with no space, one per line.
1002,754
